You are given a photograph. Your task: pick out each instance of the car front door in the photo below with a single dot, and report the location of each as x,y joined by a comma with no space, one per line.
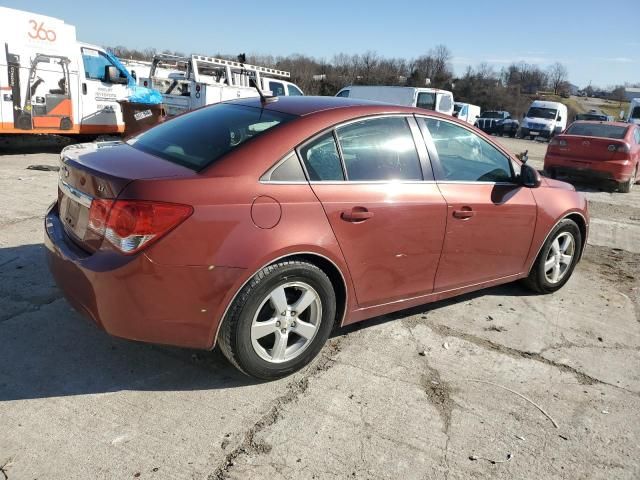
490,216
377,189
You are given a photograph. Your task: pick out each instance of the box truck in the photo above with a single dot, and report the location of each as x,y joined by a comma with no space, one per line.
51,83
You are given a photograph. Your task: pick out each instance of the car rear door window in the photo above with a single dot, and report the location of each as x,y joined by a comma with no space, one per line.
293,91
445,103
322,160
379,149
465,156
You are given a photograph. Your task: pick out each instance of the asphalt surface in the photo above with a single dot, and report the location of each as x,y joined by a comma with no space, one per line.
438,392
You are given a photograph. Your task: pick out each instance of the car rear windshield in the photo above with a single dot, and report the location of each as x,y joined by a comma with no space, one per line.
540,112
491,115
597,130
199,138
636,112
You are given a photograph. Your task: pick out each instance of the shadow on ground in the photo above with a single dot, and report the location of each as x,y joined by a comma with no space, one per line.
49,350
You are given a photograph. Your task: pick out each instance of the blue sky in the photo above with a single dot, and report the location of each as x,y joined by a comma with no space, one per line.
594,43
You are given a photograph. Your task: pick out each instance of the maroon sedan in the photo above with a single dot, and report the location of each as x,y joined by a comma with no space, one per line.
601,150
260,226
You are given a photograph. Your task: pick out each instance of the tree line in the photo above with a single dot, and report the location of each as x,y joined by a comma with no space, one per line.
509,88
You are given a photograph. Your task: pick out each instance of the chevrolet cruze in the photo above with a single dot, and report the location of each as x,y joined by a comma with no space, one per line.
258,226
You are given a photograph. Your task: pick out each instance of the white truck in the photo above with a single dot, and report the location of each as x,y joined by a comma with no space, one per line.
466,112
544,119
634,111
427,98
51,83
191,82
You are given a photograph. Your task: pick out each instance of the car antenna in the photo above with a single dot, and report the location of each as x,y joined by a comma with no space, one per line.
263,98
242,58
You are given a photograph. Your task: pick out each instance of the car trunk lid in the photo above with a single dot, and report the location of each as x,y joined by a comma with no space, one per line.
587,148
101,171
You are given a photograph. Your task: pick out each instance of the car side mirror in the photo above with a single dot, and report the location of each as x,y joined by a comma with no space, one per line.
112,75
529,176
559,118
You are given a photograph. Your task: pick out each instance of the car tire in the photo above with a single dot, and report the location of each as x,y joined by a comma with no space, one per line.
626,187
552,269
255,311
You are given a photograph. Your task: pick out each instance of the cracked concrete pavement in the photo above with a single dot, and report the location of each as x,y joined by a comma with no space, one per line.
413,395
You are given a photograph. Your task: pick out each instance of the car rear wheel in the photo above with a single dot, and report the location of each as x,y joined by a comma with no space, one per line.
557,258
279,321
625,187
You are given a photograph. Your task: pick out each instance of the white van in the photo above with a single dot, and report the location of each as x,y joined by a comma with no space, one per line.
544,119
634,111
466,112
51,83
427,98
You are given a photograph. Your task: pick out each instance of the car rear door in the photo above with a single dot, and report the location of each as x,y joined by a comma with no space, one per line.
490,216
377,189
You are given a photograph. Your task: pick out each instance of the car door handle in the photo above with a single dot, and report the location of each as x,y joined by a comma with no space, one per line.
356,214
463,213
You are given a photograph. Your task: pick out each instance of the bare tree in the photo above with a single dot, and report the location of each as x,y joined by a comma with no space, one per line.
558,75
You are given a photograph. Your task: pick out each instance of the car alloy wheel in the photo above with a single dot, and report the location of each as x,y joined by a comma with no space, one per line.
559,258
286,322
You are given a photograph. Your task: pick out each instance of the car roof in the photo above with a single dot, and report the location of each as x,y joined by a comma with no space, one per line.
307,105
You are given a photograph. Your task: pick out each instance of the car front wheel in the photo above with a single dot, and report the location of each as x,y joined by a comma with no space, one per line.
279,321
557,258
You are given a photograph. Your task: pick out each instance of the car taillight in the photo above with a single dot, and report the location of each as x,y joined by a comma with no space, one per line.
558,141
130,225
616,147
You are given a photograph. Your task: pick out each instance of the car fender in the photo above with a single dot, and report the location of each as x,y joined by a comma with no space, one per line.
555,205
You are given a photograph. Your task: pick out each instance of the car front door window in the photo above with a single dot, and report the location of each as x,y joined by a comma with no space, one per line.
465,156
95,63
277,89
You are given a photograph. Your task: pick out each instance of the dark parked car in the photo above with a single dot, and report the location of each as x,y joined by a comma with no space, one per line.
261,226
594,117
497,122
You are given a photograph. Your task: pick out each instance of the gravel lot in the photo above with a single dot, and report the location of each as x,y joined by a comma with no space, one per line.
437,392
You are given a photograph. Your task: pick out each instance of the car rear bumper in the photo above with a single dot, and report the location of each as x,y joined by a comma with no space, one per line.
135,298
615,170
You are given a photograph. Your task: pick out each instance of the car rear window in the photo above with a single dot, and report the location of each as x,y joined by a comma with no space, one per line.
597,130
199,138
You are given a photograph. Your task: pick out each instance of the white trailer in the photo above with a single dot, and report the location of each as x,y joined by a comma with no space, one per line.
427,98
191,82
51,83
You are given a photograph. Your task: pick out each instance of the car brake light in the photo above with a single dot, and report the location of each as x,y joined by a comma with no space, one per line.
624,148
559,142
130,225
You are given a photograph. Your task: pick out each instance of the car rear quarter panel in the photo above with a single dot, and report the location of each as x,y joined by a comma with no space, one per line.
223,232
